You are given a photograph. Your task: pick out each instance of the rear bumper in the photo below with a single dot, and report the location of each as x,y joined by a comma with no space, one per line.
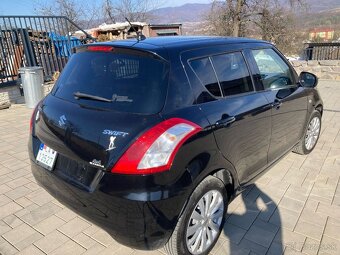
136,219
138,224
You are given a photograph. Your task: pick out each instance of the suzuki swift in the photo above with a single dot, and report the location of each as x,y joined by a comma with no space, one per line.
151,139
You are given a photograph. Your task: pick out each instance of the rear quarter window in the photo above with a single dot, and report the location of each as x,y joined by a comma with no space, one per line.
222,75
206,75
133,82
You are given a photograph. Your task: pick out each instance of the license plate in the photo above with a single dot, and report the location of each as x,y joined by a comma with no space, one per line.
46,157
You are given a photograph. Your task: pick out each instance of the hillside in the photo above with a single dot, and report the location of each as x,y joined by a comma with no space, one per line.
323,5
319,13
183,13
328,11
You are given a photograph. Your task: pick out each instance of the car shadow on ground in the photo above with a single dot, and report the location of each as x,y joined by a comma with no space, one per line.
253,224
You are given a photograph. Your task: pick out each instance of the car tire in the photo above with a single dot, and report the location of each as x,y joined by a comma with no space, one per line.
311,135
210,223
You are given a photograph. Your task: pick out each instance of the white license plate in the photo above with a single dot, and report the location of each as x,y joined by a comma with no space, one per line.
46,157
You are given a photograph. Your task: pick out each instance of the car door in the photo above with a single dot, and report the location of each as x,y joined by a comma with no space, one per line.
238,114
288,100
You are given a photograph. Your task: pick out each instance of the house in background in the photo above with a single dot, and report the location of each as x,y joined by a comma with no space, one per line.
322,34
123,30
153,30
116,31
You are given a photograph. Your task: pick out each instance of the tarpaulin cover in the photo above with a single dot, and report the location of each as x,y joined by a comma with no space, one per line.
63,45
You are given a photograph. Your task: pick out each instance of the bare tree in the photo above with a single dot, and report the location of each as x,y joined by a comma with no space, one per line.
80,13
108,11
67,8
220,19
236,14
134,10
272,20
229,17
277,23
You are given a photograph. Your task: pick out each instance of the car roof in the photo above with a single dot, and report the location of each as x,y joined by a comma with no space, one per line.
174,41
183,41
168,41
162,44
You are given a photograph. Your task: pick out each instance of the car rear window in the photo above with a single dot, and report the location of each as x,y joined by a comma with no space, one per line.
129,80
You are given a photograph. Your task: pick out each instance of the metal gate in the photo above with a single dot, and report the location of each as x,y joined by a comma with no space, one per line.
44,41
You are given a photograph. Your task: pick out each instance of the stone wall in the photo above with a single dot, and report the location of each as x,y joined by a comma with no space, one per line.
324,69
12,94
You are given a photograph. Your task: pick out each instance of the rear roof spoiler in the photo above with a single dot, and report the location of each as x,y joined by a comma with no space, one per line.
117,48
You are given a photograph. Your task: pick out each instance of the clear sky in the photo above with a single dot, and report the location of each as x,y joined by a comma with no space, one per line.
26,7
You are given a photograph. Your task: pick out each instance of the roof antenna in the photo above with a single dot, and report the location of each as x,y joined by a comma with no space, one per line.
140,36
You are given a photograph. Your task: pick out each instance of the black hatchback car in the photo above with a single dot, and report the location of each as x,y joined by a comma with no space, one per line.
152,139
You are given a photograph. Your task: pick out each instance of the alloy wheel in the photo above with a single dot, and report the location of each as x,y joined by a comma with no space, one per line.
312,133
205,222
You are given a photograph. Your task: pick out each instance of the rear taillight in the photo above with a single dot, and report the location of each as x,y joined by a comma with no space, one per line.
155,150
31,122
34,117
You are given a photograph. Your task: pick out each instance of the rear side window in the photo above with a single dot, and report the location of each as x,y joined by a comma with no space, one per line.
232,73
206,75
130,81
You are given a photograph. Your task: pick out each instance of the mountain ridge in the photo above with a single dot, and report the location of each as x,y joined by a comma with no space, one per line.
190,12
195,12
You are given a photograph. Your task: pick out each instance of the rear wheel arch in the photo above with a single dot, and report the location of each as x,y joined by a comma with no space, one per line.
319,108
228,180
199,170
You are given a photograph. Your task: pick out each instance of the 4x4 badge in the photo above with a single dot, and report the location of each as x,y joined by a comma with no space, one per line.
112,143
97,163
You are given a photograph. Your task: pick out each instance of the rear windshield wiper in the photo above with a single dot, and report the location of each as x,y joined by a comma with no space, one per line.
78,95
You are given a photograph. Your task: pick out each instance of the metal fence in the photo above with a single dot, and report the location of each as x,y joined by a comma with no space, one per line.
322,51
44,41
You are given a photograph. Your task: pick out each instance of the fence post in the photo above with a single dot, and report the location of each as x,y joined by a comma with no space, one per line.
35,41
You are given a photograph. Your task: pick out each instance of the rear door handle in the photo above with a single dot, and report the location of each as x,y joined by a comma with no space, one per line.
276,104
225,121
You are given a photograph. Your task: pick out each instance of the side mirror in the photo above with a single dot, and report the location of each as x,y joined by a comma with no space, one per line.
308,80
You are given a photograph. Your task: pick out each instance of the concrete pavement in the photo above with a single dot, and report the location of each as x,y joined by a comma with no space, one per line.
293,209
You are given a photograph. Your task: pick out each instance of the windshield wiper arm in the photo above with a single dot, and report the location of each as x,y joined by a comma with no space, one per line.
78,95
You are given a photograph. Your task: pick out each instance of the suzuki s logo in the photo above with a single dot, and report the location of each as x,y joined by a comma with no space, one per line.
62,120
